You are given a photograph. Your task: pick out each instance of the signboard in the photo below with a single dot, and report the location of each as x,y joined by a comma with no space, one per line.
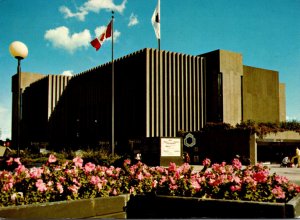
170,147
2,151
189,140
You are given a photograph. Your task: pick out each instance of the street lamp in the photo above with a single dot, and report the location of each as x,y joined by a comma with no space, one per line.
19,51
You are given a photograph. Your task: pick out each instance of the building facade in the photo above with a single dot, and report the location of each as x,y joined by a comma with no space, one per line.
156,94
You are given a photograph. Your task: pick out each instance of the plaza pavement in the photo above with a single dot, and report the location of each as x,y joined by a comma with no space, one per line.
293,174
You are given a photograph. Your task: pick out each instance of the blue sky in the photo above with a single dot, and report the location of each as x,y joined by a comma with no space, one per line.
57,34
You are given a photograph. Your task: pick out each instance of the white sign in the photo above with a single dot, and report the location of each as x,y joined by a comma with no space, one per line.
170,147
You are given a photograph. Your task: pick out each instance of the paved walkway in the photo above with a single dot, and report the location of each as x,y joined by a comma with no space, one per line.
293,174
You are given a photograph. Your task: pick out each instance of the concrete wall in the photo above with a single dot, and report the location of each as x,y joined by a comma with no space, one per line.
213,92
282,102
26,79
156,94
231,67
175,93
39,101
260,95
221,145
223,86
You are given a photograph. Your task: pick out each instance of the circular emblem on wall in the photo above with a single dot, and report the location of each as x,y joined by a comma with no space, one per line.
189,140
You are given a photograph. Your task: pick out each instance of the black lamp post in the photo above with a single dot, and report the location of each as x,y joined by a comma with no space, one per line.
19,51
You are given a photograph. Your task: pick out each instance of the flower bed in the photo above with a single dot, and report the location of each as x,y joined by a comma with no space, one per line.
218,181
159,206
74,180
103,207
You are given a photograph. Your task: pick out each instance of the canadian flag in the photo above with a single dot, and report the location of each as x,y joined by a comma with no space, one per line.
97,42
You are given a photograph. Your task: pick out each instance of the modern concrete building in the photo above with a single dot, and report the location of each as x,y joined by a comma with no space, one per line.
157,94
26,80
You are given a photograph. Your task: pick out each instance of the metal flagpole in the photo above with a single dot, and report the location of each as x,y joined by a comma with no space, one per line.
158,44
159,18
112,89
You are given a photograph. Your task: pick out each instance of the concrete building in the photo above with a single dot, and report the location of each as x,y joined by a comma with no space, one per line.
26,80
157,94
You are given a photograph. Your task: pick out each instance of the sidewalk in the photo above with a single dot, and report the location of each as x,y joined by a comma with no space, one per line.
293,174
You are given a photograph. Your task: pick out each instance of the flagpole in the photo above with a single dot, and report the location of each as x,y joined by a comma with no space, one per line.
112,89
158,44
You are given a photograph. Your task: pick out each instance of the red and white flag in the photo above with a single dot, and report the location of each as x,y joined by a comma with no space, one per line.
97,42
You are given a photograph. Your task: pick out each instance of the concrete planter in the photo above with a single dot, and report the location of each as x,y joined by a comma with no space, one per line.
103,207
187,207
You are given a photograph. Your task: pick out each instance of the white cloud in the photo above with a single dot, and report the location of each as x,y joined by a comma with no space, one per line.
67,73
101,29
93,6
60,37
5,123
68,14
292,118
133,20
117,35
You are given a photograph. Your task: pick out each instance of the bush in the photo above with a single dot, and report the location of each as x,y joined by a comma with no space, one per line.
76,179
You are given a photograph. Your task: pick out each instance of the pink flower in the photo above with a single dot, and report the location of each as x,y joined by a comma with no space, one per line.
73,189
7,186
206,162
236,179
10,161
35,173
162,180
140,176
20,169
75,180
154,184
89,167
114,192
185,167
172,167
196,185
52,158
261,176
172,181
41,186
17,160
95,180
49,184
281,179
278,192
109,172
99,186
59,187
248,173
132,190
212,182
78,161
235,188
173,187
127,162
147,175
160,169
218,168
62,179
236,164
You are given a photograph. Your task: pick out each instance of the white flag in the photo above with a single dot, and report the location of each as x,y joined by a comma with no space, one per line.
156,20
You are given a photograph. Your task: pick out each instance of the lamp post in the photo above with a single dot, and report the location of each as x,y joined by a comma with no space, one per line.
19,51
